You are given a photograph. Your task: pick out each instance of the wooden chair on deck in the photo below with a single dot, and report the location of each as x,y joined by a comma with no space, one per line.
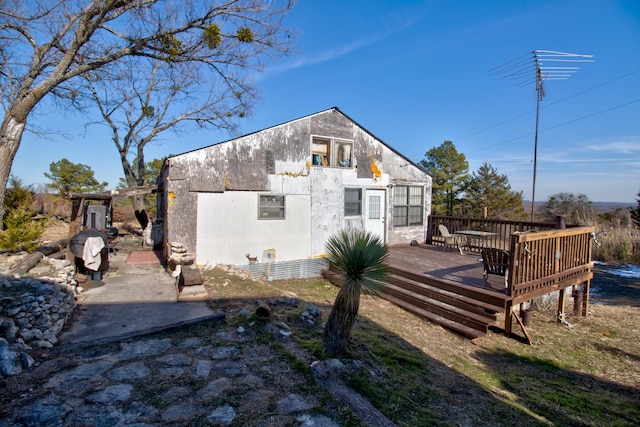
450,240
495,261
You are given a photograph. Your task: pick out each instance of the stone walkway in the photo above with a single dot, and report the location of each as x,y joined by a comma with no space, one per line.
220,375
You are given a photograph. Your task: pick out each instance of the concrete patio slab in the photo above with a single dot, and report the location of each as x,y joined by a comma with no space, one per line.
137,298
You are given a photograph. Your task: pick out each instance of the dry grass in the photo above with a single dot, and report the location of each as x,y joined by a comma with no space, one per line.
418,373
618,238
618,244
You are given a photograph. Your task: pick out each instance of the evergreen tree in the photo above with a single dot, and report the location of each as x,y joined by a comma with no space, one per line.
68,177
18,194
486,188
20,228
449,170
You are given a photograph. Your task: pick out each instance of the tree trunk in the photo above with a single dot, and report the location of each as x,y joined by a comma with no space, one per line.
10,137
139,208
341,318
28,263
135,178
53,247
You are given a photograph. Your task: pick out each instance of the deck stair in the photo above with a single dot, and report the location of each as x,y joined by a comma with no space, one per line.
466,309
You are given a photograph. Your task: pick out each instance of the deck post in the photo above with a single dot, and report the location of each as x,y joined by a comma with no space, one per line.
578,297
561,298
75,225
585,297
508,314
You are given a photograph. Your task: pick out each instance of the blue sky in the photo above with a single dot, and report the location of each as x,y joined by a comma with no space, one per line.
417,73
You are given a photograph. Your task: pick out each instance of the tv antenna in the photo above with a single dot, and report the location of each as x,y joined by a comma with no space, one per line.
548,65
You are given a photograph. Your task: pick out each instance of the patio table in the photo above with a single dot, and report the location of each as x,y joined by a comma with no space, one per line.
477,236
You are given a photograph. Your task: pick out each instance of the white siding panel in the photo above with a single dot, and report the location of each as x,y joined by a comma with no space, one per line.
228,228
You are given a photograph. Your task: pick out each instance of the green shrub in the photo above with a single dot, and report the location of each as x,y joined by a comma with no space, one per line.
22,229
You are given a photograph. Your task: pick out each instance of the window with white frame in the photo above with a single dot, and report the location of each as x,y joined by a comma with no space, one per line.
408,205
271,206
331,152
352,201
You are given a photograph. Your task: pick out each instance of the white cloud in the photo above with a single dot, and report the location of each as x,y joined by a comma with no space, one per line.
397,26
631,146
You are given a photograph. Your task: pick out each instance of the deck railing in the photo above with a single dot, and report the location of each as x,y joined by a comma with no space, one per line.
542,257
502,228
547,261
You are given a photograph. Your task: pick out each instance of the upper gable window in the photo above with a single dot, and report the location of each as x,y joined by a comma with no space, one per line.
331,152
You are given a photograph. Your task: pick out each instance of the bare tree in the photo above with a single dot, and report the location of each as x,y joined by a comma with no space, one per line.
151,97
45,45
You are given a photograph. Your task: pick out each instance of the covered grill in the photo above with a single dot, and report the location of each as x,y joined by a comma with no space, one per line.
87,259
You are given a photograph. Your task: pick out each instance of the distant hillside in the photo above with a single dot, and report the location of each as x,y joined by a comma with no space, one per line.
610,206
597,206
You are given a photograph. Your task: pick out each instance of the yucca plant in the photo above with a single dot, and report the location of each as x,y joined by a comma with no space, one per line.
359,257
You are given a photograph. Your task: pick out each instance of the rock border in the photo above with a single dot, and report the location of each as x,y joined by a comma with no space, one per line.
33,311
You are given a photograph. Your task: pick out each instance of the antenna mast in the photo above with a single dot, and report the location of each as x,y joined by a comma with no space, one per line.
549,65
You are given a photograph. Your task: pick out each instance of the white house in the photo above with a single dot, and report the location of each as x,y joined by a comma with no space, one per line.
277,195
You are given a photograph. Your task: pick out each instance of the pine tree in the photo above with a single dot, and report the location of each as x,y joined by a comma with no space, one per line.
486,188
22,229
449,170
68,177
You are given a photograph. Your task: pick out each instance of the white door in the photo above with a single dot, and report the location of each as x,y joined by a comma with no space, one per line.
374,211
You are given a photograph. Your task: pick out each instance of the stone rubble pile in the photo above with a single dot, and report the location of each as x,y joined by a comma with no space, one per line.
311,314
33,312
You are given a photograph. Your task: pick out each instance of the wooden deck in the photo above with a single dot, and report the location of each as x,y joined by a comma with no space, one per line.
444,287
433,261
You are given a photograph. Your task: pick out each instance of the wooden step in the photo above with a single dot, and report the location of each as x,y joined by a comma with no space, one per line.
460,313
427,315
190,277
439,308
480,295
460,301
